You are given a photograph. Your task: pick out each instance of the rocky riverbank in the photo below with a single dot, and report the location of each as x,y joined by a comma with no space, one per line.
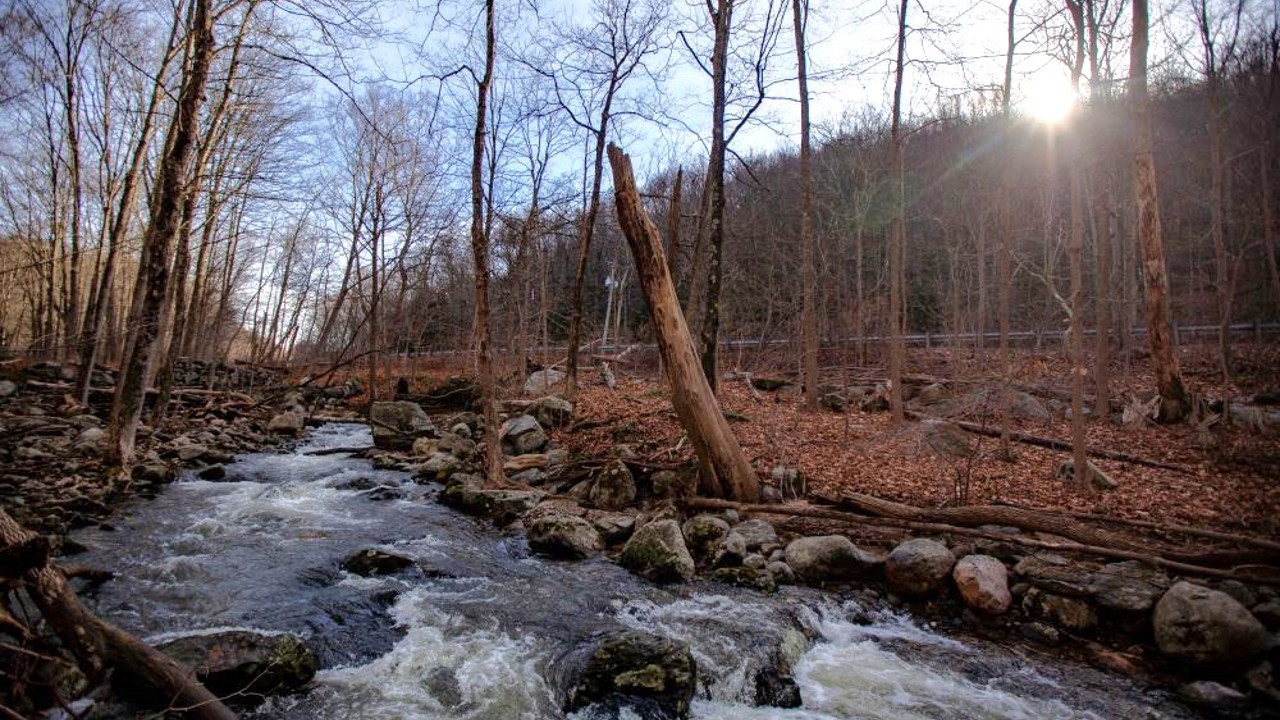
1215,640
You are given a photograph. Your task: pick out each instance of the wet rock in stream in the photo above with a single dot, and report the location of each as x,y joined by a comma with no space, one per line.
654,677
246,666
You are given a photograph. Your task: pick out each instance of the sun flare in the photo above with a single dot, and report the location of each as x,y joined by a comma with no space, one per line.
1048,99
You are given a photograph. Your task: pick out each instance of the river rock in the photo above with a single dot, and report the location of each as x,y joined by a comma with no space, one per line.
437,468
743,576
654,677
241,664
467,494
155,473
522,435
425,447
669,484
7,388
830,558
552,411
543,382
1206,626
1129,586
730,551
397,424
563,536
286,423
756,534
983,582
463,448
1213,696
613,527
614,487
703,532
372,561
1066,612
918,567
657,551
1055,574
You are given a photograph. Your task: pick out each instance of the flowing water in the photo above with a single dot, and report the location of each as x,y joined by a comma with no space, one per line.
481,628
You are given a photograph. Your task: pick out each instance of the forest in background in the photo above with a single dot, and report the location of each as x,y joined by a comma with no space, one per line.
320,220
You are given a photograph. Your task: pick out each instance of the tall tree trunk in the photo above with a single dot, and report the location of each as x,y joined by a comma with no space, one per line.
1075,252
808,250
897,230
480,256
153,274
722,17
1004,251
1174,402
719,454
586,229
91,338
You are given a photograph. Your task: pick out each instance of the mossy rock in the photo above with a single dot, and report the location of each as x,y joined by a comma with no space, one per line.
654,677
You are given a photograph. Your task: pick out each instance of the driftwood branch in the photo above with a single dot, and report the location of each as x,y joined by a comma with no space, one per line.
97,644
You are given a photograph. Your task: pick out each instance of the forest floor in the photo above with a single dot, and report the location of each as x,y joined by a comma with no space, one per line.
1229,478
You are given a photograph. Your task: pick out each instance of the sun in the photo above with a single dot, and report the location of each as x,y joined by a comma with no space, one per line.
1047,97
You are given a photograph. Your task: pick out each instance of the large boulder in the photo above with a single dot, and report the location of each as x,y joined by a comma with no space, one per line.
830,558
657,551
397,424
918,567
1129,586
552,411
522,435
654,677
245,665
563,536
1206,626
757,534
983,582
467,494
703,532
614,487
543,382
288,422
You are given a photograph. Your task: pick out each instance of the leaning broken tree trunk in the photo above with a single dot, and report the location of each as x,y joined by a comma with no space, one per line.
96,643
719,455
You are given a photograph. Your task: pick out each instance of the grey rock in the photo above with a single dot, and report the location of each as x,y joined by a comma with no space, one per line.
1055,574
522,435
7,388
466,493
945,439
756,534
1213,696
653,677
613,527
1206,626
743,576
657,551
1067,612
830,558
614,487
460,447
437,468
90,441
552,411
286,423
1268,613
782,572
983,583
703,532
730,551
1040,633
932,394
543,382
397,424
1128,586
247,664
372,561
563,536
918,567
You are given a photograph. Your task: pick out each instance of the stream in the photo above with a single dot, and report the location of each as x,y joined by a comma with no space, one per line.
480,629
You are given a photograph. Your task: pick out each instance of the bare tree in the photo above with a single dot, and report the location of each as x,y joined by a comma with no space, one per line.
166,211
1174,402
808,247
897,227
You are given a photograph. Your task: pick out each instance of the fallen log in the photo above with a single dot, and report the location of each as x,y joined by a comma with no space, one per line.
1236,538
975,515
1263,575
1054,444
341,450
97,644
